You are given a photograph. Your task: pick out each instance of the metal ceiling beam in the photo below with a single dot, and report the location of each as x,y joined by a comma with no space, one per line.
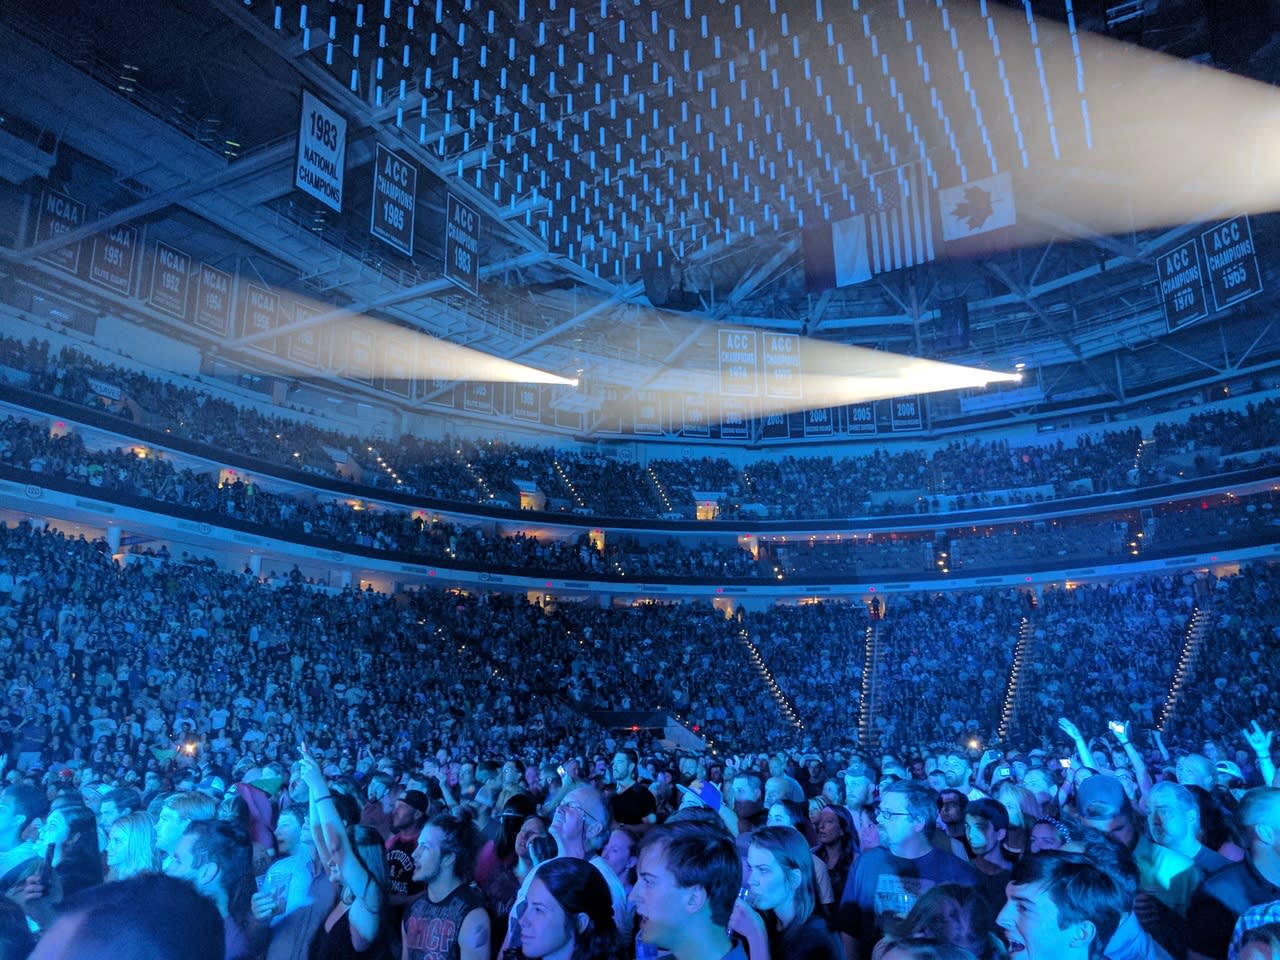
254,165
426,289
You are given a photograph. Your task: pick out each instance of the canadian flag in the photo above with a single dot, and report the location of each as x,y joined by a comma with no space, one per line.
978,207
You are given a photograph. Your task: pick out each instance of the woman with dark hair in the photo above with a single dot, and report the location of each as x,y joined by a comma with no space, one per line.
789,813
834,827
568,914
72,831
356,926
952,914
778,919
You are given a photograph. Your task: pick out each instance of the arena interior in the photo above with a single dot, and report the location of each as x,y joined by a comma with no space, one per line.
460,387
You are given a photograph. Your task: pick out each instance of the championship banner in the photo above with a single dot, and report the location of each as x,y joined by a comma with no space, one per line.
462,245
304,342
782,366
170,280
735,420
739,363
114,256
397,366
261,315
213,299
905,413
695,415
322,151
648,412
860,418
395,199
1233,262
59,214
526,402
817,422
1182,285
440,384
477,397
608,418
360,355
775,426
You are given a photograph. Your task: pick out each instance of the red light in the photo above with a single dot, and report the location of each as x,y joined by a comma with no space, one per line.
547,584
719,589
1027,579
431,573
59,424
871,589
634,728
696,728
1204,505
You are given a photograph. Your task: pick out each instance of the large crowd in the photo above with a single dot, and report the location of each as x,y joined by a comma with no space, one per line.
209,762
162,715
958,475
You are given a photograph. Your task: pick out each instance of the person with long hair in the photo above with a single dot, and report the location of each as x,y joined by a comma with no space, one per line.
355,927
131,847
788,813
834,827
778,918
69,839
568,914
953,914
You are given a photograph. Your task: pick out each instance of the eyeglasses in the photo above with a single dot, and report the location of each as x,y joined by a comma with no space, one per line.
574,805
890,814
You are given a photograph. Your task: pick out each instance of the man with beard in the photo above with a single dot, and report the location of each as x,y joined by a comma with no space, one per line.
449,921
407,819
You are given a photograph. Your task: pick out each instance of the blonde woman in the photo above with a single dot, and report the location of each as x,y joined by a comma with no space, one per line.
131,847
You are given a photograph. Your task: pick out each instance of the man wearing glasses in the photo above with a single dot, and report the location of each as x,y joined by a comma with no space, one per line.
886,881
580,828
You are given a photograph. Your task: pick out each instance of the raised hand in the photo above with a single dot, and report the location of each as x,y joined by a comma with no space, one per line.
1069,728
1258,739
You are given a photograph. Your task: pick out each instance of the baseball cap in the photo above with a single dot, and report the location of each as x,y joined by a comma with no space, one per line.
1102,795
416,799
707,793
858,769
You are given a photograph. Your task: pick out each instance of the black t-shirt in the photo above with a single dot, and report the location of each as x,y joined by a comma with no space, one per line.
811,940
1218,903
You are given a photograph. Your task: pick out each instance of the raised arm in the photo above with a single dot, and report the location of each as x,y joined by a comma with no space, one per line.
1082,748
333,842
1259,741
1120,730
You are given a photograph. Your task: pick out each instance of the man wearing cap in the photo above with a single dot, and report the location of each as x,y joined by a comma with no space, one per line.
1225,895
1166,878
859,800
408,817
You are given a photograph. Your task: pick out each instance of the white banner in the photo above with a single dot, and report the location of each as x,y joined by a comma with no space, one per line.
322,151
978,207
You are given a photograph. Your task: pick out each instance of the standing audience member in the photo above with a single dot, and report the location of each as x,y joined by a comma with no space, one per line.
449,919
568,915
687,880
216,857
1060,906
1223,896
778,918
147,917
887,880
131,847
